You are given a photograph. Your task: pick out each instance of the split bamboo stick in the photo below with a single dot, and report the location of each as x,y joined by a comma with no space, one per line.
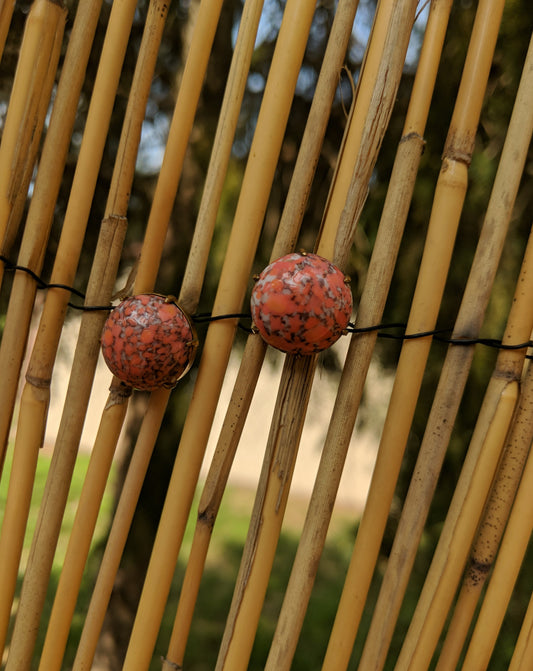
255,348
474,482
370,311
387,50
30,95
188,95
452,380
244,236
24,123
109,430
523,652
516,538
443,223
101,282
36,233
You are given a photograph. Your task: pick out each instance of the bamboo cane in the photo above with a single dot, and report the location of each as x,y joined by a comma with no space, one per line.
444,219
370,311
6,12
32,86
390,36
101,283
203,36
52,507
29,433
515,540
44,351
474,483
523,652
113,417
255,348
452,381
24,123
243,241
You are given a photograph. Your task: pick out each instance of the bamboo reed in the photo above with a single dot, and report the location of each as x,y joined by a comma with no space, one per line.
203,35
514,543
32,87
262,538
29,435
370,311
255,348
234,277
6,12
444,219
523,652
115,411
23,127
474,483
45,347
452,380
44,350
55,495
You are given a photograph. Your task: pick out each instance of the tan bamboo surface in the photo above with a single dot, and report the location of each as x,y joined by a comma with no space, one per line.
42,359
30,95
23,127
109,431
253,354
233,280
453,377
34,240
518,510
523,651
474,483
489,521
284,436
6,12
100,289
444,219
188,95
369,311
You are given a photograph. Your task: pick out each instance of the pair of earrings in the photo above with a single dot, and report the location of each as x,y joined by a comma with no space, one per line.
300,304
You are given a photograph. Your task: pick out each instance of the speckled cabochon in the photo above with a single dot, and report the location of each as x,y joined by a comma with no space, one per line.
148,342
301,304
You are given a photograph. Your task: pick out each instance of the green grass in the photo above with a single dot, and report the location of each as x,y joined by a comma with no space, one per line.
219,579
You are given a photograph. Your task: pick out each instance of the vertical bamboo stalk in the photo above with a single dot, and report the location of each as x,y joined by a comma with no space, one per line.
196,64
523,652
515,540
370,311
6,12
234,277
32,86
113,417
29,434
474,482
453,378
255,348
444,219
44,351
24,123
99,292
392,40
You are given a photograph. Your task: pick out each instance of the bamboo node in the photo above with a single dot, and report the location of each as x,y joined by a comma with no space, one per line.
39,382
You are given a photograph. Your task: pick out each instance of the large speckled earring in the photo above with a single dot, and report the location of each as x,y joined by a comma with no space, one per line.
301,303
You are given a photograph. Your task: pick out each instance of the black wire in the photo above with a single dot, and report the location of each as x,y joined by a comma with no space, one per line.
207,317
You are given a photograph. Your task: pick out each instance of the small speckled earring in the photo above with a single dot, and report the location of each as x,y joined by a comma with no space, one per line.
149,342
301,303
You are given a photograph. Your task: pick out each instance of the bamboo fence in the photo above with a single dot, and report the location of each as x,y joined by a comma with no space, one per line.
470,584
